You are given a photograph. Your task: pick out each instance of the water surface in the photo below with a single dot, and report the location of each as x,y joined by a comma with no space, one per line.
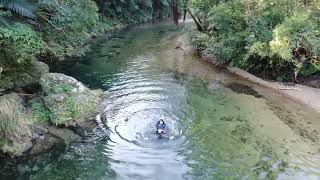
221,126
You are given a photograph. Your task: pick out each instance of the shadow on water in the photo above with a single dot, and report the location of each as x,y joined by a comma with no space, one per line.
244,89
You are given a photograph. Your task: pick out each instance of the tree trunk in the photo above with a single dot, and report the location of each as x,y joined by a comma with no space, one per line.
198,24
184,15
175,11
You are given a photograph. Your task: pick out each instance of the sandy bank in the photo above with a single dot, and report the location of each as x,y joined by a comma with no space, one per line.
300,93
304,94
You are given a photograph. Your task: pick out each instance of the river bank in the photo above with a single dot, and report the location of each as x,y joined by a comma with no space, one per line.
296,94
37,102
309,96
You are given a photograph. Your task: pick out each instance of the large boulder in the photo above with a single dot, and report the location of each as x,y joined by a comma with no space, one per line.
15,133
68,100
14,80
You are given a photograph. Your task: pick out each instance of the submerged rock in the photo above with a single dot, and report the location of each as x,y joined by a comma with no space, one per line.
68,100
44,143
244,89
65,134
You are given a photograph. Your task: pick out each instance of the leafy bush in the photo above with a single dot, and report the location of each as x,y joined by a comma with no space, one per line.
19,45
67,25
273,37
297,40
135,11
228,39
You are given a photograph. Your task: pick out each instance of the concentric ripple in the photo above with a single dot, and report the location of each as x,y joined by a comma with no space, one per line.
138,99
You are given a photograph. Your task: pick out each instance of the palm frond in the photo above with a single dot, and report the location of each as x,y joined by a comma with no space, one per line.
19,7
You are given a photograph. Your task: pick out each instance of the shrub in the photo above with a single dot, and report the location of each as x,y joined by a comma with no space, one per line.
19,45
272,38
67,25
297,40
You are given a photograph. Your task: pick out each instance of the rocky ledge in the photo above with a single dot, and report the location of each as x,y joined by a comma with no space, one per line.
63,110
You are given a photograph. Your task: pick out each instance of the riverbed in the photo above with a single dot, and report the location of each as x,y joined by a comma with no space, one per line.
220,126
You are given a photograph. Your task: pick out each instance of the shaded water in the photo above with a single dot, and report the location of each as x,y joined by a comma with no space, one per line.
220,126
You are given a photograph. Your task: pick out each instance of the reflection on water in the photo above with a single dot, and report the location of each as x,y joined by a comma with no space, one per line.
221,127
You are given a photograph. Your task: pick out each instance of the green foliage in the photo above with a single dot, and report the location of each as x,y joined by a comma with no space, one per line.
39,112
67,25
136,11
278,38
201,40
19,7
19,45
228,40
59,88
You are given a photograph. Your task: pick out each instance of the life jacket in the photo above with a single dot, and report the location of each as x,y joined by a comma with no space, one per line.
161,126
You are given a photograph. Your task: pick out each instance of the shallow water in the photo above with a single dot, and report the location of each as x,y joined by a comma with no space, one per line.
220,126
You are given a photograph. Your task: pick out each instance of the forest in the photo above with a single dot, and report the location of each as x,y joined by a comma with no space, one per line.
274,39
50,30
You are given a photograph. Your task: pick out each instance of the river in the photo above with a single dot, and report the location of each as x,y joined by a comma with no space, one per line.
220,126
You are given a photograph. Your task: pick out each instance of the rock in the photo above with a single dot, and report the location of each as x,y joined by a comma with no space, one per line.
58,82
40,68
65,134
15,80
35,168
68,100
6,82
44,143
42,137
35,136
214,86
15,132
84,127
39,129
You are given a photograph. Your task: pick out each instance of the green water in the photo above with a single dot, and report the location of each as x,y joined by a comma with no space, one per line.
221,127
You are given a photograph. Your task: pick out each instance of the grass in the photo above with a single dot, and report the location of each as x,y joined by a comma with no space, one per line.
39,111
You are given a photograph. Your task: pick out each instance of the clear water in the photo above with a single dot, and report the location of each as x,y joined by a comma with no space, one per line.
220,126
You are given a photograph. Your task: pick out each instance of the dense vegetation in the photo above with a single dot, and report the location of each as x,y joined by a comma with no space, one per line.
55,29
276,39
52,30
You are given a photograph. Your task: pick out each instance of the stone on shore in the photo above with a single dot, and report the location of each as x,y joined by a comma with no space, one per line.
68,100
15,133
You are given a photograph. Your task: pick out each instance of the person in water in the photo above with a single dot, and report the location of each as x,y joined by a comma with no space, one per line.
161,127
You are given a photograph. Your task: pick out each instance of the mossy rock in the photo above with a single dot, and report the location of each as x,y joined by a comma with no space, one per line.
53,83
14,128
12,79
68,100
